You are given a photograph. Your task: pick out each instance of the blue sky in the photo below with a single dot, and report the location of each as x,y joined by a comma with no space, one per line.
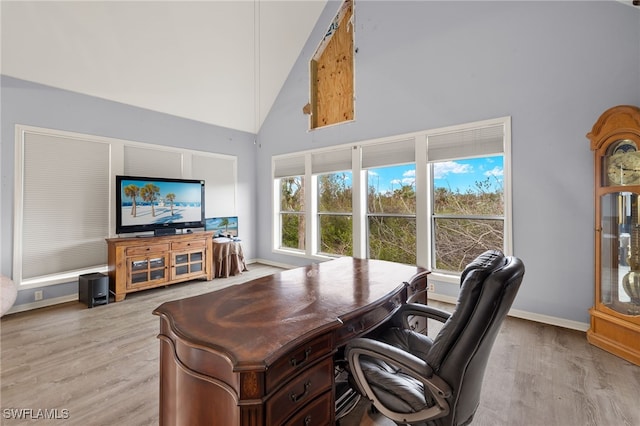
458,175
185,192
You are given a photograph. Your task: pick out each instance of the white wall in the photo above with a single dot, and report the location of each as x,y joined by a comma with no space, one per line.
554,67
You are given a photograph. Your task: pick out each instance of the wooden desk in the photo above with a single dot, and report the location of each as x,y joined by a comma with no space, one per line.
262,353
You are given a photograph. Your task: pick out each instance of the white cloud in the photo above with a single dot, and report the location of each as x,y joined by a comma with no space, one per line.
409,181
496,171
409,173
441,170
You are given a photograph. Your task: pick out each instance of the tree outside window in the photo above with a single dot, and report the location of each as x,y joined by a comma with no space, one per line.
468,210
335,214
292,211
391,213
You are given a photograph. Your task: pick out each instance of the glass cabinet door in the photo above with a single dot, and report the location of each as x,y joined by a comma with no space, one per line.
620,252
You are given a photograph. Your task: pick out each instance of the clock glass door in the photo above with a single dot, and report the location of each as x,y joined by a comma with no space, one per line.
620,252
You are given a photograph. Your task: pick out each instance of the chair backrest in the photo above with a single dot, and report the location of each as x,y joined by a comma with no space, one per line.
460,351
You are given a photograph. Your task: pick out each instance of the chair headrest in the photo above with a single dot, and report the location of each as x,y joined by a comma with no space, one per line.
485,263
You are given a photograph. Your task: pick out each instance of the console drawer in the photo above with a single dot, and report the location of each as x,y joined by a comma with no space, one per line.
143,250
299,392
187,245
297,360
317,413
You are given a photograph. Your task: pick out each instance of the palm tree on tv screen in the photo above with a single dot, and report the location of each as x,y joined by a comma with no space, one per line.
132,191
149,193
225,222
170,197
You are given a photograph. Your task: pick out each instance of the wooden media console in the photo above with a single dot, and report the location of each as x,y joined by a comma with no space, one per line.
140,263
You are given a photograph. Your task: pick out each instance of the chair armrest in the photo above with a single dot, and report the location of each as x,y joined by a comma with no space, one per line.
401,317
388,353
410,365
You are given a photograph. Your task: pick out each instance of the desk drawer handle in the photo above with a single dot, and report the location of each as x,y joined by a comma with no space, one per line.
307,420
295,363
296,398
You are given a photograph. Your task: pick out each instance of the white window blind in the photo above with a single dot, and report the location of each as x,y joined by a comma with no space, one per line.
388,153
219,175
65,204
288,166
152,162
466,143
336,160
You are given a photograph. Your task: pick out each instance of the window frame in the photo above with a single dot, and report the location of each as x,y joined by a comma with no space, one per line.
429,218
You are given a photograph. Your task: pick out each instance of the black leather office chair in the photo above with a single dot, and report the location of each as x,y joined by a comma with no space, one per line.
412,379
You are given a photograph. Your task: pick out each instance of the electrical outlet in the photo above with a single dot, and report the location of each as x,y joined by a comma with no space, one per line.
37,295
431,287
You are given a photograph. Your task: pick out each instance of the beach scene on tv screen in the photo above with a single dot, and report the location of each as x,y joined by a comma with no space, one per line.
223,225
157,202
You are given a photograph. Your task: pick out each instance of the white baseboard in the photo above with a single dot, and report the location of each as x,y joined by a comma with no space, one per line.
275,264
42,303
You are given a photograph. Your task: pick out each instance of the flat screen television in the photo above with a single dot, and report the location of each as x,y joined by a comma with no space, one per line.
161,205
222,226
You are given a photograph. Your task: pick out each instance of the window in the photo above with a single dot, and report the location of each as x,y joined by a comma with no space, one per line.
435,198
468,210
289,173
467,194
64,205
292,213
331,72
391,213
335,226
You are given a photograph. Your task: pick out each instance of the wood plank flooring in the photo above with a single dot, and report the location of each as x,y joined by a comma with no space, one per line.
99,366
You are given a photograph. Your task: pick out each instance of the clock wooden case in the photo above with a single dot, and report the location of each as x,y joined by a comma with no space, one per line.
615,316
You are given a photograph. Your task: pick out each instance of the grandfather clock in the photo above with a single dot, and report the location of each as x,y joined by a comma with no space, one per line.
615,316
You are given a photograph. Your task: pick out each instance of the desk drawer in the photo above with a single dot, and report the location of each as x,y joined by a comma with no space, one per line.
300,392
317,413
297,360
363,324
153,248
188,245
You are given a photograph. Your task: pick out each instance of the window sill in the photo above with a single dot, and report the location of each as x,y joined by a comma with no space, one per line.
302,254
61,278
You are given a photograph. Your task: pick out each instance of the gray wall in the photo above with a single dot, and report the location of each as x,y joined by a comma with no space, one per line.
554,67
36,105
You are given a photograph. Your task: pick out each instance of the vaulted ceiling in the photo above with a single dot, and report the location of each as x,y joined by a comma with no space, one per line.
218,62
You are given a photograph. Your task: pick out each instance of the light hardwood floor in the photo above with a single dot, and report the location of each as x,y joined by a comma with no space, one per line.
101,366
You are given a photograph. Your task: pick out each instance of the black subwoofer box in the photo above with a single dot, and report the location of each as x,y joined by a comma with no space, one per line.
93,289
